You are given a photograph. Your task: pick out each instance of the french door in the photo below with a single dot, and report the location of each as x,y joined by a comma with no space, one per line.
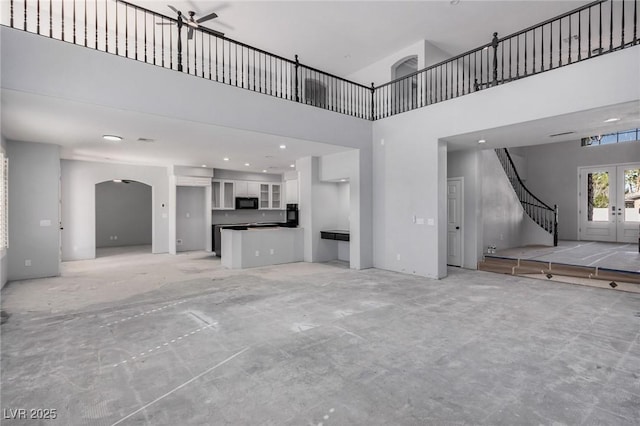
609,203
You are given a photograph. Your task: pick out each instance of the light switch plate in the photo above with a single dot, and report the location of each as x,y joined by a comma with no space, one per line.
420,221
431,222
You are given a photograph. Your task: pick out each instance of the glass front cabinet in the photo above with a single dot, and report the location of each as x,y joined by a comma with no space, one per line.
223,194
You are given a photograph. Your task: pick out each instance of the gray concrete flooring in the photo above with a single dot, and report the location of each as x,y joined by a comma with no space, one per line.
621,256
309,344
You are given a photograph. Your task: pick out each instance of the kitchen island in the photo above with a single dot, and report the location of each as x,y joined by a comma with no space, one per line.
244,247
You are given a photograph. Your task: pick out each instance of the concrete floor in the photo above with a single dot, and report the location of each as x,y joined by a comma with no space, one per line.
177,340
620,256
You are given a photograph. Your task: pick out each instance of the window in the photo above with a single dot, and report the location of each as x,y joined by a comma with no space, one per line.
4,201
623,136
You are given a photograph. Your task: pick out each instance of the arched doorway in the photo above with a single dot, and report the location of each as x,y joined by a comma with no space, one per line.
406,90
123,217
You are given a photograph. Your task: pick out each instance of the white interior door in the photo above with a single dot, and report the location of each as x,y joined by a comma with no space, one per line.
609,203
454,221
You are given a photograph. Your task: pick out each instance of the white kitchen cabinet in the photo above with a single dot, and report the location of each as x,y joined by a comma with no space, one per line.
223,195
242,188
247,189
271,196
291,191
265,196
276,196
253,189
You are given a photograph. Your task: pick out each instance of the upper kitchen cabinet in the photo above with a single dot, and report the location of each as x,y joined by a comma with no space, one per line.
271,196
247,189
223,194
291,191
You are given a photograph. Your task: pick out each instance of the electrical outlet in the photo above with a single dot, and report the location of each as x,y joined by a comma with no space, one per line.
27,262
257,253
188,215
272,251
398,256
262,214
115,237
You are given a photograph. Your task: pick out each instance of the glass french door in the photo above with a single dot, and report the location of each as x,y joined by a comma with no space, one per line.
610,203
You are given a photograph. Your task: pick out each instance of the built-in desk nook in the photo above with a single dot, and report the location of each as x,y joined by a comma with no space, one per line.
342,237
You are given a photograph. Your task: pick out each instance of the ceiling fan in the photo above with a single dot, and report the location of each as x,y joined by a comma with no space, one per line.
192,22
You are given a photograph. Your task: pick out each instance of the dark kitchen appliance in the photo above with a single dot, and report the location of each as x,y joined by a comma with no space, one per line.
246,203
293,215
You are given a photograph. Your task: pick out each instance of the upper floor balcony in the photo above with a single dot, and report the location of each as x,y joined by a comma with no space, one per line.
180,44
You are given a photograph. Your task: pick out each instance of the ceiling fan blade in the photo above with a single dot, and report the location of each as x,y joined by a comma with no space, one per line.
174,9
207,17
190,33
192,24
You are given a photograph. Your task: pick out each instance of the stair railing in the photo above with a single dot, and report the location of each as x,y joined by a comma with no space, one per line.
540,212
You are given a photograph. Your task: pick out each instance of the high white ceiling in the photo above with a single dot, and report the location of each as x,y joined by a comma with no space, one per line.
342,37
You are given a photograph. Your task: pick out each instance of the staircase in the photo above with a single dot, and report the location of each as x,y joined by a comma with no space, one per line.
545,216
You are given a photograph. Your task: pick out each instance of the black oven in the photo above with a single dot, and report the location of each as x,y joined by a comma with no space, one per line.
246,203
293,215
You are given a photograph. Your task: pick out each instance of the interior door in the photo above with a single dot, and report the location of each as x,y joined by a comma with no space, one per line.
610,203
628,203
454,222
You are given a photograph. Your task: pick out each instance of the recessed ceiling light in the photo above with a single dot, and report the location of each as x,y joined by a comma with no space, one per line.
343,180
117,180
482,141
112,138
292,165
264,171
611,120
226,158
283,146
204,165
247,164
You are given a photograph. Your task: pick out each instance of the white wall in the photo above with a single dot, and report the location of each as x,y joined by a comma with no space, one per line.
78,203
34,194
553,174
191,227
381,72
408,163
3,251
123,210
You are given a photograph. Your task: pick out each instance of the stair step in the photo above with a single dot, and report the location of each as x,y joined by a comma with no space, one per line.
574,274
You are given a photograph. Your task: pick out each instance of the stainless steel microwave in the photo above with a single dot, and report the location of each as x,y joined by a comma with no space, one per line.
246,203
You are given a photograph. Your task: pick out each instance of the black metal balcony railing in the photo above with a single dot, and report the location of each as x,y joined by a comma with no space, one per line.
134,32
594,29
